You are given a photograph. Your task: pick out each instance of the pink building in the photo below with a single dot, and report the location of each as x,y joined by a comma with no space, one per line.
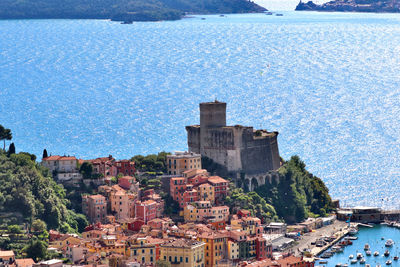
220,187
146,210
122,204
94,207
128,183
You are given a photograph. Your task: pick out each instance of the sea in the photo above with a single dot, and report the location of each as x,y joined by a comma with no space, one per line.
375,237
327,82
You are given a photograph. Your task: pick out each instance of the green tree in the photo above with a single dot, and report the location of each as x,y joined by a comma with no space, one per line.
38,226
44,153
14,229
11,149
37,250
86,170
163,263
5,134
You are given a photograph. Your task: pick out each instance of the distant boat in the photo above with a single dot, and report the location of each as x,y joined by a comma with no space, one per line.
366,246
351,256
268,13
359,255
376,253
203,18
387,253
362,261
396,258
368,252
279,15
388,262
353,231
127,22
353,261
389,243
222,15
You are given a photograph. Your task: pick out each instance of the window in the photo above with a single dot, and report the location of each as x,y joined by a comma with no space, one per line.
187,259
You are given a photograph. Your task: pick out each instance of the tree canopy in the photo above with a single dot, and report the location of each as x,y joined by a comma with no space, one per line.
139,10
297,193
27,187
5,134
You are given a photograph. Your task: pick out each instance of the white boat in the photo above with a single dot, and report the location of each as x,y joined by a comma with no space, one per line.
359,256
351,256
368,252
338,265
367,265
353,261
366,246
388,262
362,261
345,265
376,253
353,231
389,243
337,249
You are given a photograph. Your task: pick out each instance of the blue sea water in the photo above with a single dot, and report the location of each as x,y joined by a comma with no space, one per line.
372,236
328,82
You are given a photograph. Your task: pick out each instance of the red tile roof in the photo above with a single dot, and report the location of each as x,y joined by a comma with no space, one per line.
217,179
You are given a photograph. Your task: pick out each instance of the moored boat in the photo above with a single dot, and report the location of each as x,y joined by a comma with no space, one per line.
389,243
351,256
362,261
396,258
359,256
366,246
376,253
368,252
388,262
353,231
387,253
353,261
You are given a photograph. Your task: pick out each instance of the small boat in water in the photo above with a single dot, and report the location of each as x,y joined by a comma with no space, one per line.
268,13
368,252
366,246
345,265
376,253
337,249
388,262
323,262
382,238
362,261
338,265
389,243
396,258
279,15
367,265
387,253
353,231
351,256
353,261
359,256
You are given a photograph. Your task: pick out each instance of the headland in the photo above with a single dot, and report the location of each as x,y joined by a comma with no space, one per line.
381,6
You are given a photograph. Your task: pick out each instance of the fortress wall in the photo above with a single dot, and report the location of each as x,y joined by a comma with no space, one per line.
193,137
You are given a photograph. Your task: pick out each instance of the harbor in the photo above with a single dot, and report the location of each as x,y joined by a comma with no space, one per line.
372,245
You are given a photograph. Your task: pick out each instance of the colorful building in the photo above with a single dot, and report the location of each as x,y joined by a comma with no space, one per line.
183,253
216,247
182,161
146,210
220,187
94,207
122,204
126,167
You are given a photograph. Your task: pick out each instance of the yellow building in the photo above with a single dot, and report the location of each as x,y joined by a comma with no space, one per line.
183,253
65,241
144,249
215,247
206,192
183,161
233,250
106,244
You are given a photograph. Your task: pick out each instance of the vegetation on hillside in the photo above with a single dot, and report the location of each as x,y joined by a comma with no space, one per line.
134,10
151,163
27,188
298,194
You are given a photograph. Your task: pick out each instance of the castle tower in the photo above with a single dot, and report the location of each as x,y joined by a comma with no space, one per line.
212,114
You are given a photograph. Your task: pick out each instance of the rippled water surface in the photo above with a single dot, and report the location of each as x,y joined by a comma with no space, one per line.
373,237
329,83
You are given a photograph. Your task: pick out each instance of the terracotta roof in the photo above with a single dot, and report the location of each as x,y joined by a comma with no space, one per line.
182,243
7,253
24,262
59,158
217,179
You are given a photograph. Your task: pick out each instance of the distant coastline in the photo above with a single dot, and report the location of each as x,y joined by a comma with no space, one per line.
122,10
377,6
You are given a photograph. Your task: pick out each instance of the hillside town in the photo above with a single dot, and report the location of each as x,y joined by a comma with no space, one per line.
179,217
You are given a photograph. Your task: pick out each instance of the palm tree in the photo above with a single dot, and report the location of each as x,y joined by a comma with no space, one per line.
5,134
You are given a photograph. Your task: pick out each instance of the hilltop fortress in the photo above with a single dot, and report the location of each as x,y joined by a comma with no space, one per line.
248,154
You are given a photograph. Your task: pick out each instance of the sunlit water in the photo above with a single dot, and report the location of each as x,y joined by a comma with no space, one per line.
329,83
372,236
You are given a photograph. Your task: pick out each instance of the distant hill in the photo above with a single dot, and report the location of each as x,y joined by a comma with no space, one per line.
392,6
127,10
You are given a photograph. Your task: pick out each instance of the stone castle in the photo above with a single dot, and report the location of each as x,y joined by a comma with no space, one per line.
248,154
